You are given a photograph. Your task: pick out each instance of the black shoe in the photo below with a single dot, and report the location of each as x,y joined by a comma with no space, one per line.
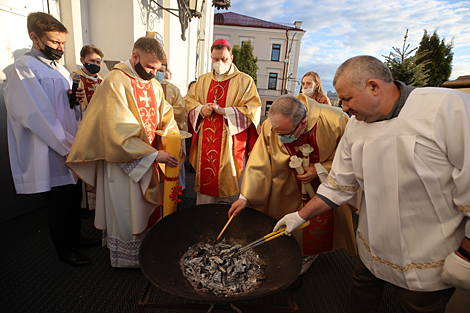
84,242
75,259
297,284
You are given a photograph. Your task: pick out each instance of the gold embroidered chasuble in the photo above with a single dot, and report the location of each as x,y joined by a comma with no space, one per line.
269,183
89,87
240,93
119,129
174,98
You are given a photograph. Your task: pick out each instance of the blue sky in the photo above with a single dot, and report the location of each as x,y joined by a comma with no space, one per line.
340,29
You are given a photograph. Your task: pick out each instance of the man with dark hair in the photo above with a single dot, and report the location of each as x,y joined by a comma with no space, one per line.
89,80
409,150
114,150
223,114
41,130
90,57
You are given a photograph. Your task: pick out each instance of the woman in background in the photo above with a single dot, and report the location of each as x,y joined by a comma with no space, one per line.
312,88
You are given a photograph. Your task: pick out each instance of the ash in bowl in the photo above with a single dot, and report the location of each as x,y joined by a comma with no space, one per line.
214,269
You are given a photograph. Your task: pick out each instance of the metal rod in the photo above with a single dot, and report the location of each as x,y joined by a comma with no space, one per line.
168,10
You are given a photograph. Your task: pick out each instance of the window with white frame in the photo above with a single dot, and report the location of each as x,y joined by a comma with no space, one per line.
275,52
272,82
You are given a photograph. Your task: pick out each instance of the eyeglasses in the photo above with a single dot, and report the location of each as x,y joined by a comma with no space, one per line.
289,136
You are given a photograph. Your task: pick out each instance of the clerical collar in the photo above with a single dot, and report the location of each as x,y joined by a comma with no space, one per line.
88,76
41,57
137,77
404,93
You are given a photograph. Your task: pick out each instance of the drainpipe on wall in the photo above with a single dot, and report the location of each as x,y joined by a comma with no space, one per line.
285,58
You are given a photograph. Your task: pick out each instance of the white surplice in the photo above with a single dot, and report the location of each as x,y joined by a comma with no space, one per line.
41,125
415,173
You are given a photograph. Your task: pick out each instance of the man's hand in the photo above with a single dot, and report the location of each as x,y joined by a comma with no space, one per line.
456,272
166,158
219,110
322,98
206,109
290,221
80,94
237,207
309,175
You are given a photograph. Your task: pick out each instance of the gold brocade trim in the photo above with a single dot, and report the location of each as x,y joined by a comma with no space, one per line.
167,178
404,269
464,208
342,188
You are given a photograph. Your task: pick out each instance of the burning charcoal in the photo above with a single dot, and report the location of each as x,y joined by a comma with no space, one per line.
216,259
217,277
212,268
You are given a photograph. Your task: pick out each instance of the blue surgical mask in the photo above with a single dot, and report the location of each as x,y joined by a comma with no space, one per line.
285,139
160,76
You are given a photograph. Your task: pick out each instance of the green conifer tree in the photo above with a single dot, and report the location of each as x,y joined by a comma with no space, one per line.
405,67
245,60
438,60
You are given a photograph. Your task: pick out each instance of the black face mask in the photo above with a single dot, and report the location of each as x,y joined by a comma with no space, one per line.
92,68
142,73
51,53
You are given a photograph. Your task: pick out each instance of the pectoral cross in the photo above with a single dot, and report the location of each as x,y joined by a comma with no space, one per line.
145,98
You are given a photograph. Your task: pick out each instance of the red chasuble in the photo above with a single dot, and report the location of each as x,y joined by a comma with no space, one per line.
211,132
318,236
90,86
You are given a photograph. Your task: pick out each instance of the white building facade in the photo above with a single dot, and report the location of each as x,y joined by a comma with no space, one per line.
113,26
277,47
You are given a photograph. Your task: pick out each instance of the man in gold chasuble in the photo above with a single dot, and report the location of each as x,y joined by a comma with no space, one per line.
271,186
114,150
223,114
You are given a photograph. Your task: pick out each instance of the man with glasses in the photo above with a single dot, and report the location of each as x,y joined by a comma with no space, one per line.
271,186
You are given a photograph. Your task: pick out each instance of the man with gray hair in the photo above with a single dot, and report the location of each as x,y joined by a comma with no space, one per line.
409,150
271,186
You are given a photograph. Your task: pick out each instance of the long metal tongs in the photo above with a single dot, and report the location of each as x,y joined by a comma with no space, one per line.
267,238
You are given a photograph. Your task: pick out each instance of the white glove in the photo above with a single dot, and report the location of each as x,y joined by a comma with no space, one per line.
290,221
456,272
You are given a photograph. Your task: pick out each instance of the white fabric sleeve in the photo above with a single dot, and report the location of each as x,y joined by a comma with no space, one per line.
452,132
137,168
236,121
321,172
194,118
243,198
341,184
27,103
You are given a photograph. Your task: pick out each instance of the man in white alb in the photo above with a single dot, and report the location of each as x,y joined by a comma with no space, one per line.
409,150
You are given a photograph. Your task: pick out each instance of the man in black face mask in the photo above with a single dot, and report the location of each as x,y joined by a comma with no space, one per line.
90,57
119,142
89,80
41,130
